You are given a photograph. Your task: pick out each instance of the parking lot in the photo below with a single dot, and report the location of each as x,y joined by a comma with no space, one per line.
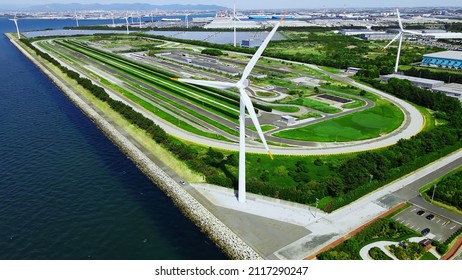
419,219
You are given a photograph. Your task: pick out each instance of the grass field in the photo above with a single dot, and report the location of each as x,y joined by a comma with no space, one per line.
428,257
264,128
317,105
367,124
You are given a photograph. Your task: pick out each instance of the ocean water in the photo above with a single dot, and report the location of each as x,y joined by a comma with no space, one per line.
66,192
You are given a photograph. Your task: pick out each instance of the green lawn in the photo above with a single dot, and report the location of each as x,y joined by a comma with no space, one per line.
383,118
317,105
264,128
429,257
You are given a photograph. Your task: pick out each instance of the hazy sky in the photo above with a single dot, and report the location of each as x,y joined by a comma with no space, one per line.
265,4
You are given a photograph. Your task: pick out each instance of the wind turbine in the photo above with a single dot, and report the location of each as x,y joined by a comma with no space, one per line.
15,19
186,18
76,18
245,102
400,36
126,21
234,23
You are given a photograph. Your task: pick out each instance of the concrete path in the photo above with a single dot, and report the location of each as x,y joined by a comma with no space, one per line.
364,252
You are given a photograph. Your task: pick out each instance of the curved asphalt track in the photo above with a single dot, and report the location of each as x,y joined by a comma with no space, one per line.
412,125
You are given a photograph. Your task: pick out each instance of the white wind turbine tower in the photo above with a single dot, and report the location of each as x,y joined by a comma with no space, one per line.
186,18
234,24
126,21
113,23
400,35
76,18
15,19
245,102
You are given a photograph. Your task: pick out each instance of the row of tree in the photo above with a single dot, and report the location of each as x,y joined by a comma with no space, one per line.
445,76
449,190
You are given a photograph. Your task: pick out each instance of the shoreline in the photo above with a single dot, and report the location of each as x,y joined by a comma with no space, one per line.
233,246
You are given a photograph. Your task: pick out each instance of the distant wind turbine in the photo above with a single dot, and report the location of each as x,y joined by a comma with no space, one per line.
76,18
245,102
234,23
15,19
186,17
113,23
400,36
126,21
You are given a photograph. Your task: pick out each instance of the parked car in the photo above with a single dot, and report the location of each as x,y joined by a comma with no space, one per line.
420,212
425,231
430,217
182,182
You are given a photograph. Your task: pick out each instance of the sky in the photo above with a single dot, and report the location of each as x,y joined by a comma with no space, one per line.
265,4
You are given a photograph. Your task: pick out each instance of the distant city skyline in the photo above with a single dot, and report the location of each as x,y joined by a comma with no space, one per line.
244,4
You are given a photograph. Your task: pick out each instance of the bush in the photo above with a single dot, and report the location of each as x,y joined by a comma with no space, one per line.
212,52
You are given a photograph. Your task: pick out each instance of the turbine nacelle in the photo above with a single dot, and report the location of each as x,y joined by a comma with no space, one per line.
243,84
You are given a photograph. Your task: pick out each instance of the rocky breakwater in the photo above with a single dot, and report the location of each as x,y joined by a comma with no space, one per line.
223,236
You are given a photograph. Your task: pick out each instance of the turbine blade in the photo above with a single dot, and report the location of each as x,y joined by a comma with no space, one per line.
214,84
393,40
399,20
248,104
259,52
412,32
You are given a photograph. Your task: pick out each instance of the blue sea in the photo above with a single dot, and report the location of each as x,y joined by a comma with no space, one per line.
67,192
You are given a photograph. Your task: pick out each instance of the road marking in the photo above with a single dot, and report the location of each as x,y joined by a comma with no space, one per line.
397,219
438,221
413,209
412,227
417,228
439,239
407,224
453,227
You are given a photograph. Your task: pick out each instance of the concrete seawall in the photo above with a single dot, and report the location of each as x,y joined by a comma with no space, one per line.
226,239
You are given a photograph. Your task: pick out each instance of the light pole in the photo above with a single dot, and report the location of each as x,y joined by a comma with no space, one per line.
433,195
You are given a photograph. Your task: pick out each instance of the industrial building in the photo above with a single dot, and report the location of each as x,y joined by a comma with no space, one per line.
452,90
355,32
444,59
419,82
251,43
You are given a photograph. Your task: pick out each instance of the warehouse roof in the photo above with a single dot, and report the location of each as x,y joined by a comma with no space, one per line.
446,55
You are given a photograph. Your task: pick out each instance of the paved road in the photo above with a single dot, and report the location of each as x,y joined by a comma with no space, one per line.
333,226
